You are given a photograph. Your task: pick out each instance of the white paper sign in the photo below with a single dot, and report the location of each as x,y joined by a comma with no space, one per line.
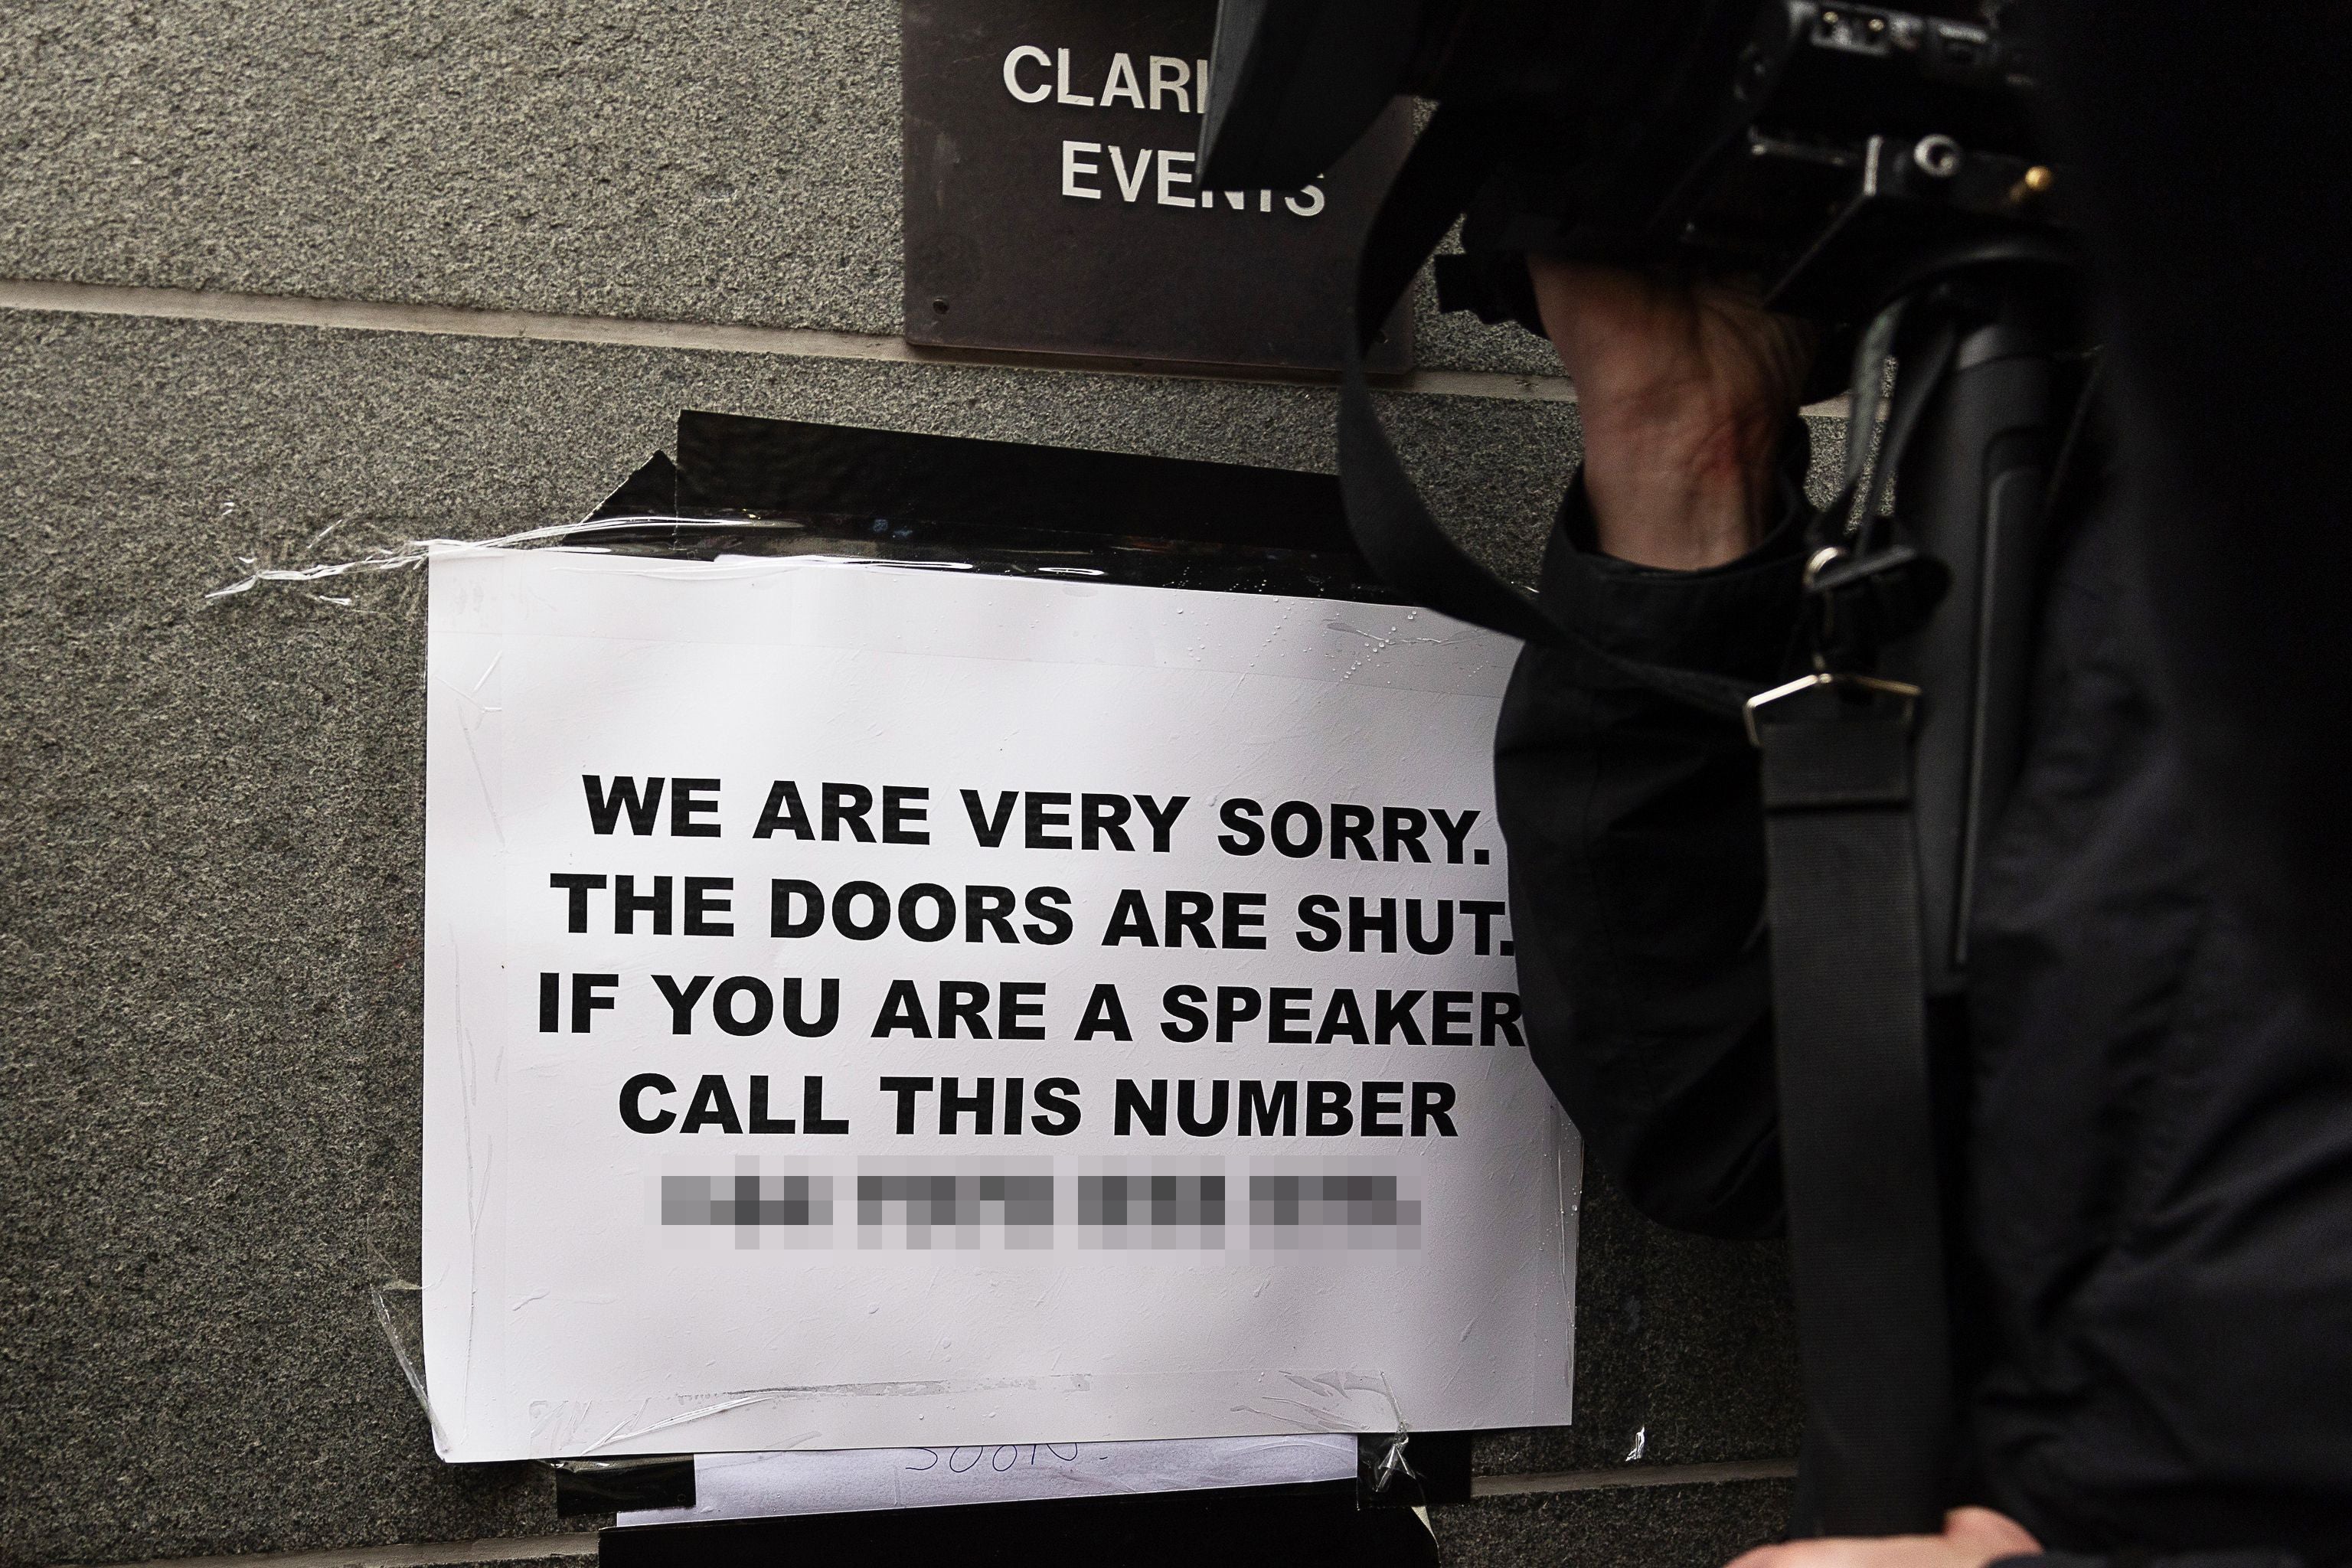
873,1008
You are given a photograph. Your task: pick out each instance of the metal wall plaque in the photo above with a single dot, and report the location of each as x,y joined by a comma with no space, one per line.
1051,205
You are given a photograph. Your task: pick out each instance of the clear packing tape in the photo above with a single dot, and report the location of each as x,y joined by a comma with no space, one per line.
416,552
654,1489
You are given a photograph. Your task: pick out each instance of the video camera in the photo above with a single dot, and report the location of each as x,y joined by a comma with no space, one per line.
1817,147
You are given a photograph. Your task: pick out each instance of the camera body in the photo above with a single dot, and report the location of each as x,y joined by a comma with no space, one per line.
1814,147
1854,140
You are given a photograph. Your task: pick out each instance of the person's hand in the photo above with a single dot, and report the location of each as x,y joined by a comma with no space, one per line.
1972,1537
1685,389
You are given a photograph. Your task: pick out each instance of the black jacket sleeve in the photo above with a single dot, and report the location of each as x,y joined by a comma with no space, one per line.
1637,869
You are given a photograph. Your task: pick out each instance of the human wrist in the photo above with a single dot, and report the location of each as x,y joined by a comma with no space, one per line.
1679,489
1685,387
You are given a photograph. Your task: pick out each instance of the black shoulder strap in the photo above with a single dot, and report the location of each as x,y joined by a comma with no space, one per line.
1392,524
1390,521
1857,1144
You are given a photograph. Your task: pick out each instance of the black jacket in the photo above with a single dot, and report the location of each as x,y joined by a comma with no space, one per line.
2151,1124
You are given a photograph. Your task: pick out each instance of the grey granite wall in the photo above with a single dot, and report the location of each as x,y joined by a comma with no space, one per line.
213,829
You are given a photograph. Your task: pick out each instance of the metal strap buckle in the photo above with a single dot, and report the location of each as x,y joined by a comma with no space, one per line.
1820,680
